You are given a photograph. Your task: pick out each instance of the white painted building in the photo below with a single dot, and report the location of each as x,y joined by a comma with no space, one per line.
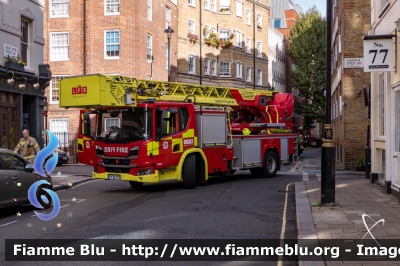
276,59
385,101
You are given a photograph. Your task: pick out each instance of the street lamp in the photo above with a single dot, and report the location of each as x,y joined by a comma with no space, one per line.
45,112
169,31
328,146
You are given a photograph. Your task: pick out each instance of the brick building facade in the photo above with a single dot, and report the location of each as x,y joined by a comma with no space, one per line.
111,37
244,23
351,19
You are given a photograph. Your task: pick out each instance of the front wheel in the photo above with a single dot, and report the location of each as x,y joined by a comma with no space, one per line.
189,172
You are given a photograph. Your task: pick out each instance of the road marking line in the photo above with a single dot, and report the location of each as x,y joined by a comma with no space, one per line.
64,206
83,184
295,166
283,223
8,223
80,201
305,177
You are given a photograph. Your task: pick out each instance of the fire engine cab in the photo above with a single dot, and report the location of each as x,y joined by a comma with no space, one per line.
148,132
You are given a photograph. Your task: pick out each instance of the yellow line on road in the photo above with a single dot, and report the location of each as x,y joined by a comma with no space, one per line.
284,223
295,166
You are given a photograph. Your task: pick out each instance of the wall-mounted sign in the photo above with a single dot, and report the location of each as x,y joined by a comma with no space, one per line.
10,51
378,53
354,63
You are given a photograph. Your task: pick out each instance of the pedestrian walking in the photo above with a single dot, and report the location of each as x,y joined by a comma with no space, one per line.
27,147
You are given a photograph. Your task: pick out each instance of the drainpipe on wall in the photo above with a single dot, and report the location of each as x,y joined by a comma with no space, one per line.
201,58
254,45
84,37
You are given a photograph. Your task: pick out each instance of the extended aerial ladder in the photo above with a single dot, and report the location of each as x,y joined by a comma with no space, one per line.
255,109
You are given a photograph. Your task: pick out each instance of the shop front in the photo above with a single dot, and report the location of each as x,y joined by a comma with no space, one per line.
21,104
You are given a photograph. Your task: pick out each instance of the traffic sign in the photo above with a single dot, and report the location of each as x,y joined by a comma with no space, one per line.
378,53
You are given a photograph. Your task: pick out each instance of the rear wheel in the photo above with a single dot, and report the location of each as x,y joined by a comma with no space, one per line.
271,164
136,184
189,172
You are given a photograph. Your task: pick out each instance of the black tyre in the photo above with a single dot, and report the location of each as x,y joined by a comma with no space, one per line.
136,184
271,164
189,172
59,164
41,192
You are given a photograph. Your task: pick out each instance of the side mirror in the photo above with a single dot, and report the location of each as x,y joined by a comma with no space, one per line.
29,167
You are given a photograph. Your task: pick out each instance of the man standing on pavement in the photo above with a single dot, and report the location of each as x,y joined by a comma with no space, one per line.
27,146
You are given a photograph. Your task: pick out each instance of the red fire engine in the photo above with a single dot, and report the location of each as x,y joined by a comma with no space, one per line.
147,131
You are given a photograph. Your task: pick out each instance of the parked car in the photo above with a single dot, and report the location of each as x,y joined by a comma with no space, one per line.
16,177
62,157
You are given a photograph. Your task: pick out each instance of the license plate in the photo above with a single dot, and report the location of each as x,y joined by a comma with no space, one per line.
65,158
313,143
114,177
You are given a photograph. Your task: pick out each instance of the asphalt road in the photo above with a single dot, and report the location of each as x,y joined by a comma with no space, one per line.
236,207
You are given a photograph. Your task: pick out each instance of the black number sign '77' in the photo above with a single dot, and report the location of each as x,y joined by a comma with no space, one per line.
380,51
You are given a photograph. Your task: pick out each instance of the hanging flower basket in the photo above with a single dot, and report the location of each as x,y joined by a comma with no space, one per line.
193,38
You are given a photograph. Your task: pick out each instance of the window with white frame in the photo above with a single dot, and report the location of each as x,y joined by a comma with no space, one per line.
248,17
207,4
191,64
248,46
381,105
259,49
239,70
207,66
224,34
59,45
59,8
239,8
225,6
59,127
166,55
191,3
111,43
224,68
214,67
111,122
54,85
167,17
149,9
248,74
111,7
259,77
191,27
149,48
259,22
213,6
238,39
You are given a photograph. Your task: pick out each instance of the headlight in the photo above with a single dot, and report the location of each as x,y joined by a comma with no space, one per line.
135,148
99,148
145,172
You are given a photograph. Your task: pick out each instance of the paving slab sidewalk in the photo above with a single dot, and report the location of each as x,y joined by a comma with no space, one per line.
354,197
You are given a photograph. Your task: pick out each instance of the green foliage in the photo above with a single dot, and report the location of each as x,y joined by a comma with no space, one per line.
307,41
361,162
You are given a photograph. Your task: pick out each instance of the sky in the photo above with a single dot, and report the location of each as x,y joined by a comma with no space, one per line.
307,4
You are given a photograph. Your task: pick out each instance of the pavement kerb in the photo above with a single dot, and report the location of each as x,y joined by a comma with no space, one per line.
66,186
305,221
